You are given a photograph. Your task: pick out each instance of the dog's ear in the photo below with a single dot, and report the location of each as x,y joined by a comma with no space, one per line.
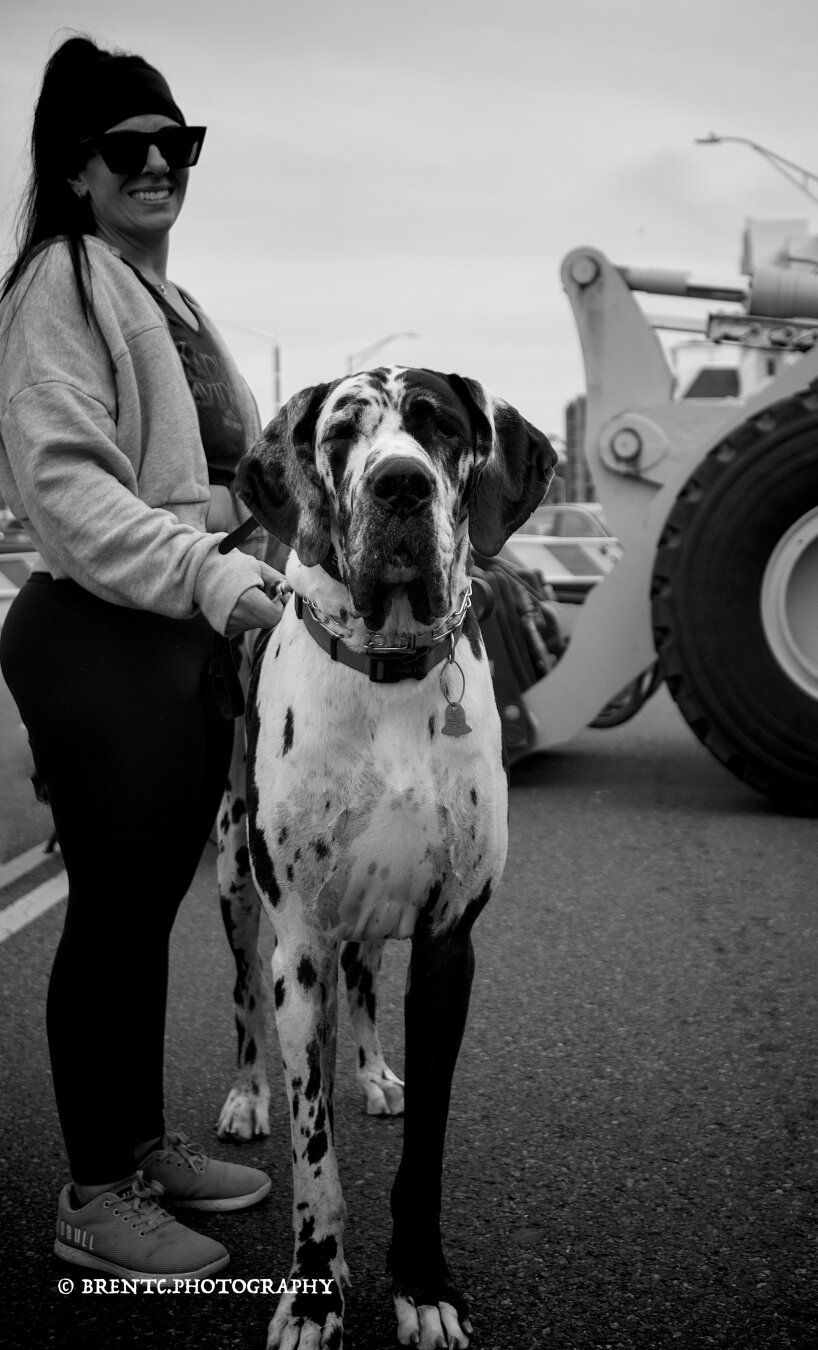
278,481
514,466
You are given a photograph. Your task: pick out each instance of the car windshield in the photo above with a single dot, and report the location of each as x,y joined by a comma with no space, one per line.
564,522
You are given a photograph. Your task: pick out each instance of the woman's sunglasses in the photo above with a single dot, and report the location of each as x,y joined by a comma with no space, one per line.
127,151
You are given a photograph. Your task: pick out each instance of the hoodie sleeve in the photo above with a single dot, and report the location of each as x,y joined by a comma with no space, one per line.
79,492
77,487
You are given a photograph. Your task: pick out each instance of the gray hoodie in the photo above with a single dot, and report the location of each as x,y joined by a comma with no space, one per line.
100,452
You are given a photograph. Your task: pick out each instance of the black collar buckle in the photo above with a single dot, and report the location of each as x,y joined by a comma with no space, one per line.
391,669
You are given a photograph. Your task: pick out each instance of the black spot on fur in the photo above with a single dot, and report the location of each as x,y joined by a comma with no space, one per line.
290,873
243,860
306,973
314,1062
317,1147
238,810
361,1057
288,732
282,835
321,848
360,977
227,918
349,955
265,872
251,1052
316,1255
313,1261
473,795
278,992
479,902
432,727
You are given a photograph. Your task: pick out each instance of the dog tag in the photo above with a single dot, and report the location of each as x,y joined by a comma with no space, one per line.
454,723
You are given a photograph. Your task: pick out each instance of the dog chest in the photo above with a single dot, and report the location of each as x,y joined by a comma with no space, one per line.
370,814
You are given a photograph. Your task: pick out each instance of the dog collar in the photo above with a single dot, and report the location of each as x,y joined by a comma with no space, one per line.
388,665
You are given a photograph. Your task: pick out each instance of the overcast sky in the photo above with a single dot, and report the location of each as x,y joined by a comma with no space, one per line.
374,167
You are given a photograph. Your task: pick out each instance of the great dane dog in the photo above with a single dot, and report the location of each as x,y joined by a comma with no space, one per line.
376,790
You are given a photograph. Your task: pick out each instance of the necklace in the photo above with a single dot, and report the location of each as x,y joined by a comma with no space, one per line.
159,286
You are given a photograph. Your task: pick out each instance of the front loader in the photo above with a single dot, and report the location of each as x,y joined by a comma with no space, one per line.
715,503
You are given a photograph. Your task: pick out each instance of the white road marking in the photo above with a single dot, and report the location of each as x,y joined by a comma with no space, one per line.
31,906
24,862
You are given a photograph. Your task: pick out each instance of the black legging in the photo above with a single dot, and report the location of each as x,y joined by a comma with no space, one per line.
134,753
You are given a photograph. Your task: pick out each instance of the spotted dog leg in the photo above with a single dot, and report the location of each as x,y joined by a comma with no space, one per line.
383,1090
306,1015
430,1310
245,1113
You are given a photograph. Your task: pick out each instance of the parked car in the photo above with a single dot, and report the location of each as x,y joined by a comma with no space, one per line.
569,544
567,520
13,538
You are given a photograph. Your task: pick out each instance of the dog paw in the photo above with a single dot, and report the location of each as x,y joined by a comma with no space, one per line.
301,1333
433,1320
382,1089
311,1319
245,1115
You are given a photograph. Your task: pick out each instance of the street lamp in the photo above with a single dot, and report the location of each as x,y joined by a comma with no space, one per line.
794,173
356,360
275,355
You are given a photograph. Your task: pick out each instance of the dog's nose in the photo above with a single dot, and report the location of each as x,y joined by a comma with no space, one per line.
402,484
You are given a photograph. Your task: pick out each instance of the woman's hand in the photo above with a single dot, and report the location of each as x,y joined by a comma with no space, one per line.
257,608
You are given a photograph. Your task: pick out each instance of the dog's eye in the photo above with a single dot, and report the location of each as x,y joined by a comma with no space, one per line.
341,431
427,416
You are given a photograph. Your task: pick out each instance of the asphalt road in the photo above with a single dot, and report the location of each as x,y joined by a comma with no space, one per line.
632,1157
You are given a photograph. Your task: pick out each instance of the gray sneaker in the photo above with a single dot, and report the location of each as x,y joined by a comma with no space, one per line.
192,1180
125,1231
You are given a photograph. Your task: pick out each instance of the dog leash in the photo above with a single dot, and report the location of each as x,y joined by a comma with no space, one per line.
239,535
224,666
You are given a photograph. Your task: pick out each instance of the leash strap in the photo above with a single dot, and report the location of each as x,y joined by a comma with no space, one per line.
413,664
238,536
224,673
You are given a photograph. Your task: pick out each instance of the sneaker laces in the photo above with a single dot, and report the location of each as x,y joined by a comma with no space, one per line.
141,1201
179,1146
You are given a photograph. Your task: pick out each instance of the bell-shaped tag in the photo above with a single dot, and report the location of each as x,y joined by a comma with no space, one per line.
454,723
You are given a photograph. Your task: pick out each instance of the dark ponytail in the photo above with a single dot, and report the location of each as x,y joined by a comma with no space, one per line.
49,207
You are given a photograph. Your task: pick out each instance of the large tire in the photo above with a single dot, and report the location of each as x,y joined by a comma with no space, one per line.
735,602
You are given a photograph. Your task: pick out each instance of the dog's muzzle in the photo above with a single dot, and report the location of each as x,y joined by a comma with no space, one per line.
393,541
401,484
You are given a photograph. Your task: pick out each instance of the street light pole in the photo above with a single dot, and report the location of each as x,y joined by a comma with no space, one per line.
355,361
275,355
794,173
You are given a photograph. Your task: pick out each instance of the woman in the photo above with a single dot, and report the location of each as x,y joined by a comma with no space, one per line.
122,417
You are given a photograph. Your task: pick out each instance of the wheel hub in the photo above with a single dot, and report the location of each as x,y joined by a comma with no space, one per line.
789,603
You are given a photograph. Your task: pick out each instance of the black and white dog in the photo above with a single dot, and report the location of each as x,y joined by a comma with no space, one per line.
376,792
